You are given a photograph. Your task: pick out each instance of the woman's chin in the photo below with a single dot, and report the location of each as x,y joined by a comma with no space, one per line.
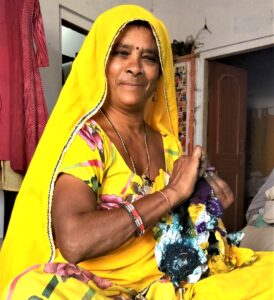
134,101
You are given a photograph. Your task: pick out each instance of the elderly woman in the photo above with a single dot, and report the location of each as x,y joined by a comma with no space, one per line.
107,169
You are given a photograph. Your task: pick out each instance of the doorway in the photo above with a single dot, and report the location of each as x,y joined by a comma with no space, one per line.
258,119
72,37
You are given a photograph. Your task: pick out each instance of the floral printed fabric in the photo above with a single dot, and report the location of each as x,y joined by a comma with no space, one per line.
60,281
192,241
93,158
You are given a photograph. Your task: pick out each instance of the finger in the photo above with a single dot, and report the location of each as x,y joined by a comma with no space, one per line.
203,167
221,190
197,152
196,163
229,197
217,189
204,155
203,162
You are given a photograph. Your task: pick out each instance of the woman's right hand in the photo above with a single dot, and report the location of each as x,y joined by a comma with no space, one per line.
184,176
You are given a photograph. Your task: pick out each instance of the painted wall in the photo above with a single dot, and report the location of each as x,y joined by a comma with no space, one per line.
71,41
231,22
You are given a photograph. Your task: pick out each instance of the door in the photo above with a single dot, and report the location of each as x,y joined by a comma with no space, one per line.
226,133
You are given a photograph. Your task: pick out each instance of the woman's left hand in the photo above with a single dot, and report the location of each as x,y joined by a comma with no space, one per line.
221,189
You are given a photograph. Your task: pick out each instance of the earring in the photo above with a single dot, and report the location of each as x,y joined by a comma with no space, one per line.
153,98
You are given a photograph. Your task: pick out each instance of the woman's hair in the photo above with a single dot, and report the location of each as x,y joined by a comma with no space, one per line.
140,23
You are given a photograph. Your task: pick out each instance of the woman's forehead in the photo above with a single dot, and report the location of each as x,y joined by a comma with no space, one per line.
137,35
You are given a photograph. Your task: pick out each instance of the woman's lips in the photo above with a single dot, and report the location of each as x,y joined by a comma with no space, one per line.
130,83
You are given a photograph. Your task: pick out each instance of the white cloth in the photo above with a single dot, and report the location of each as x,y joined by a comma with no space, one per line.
260,198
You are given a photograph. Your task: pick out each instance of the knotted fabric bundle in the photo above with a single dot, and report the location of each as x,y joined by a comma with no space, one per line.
192,242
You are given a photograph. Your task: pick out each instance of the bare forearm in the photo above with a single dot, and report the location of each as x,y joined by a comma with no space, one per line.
96,233
82,232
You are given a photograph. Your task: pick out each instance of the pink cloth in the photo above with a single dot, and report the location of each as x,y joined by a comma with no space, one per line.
23,112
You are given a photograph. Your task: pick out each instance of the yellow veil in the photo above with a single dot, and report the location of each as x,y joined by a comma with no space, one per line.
29,238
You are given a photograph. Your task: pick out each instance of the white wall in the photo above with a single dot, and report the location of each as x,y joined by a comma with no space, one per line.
232,22
71,41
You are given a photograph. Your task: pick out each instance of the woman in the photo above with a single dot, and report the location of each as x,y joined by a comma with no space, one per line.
113,170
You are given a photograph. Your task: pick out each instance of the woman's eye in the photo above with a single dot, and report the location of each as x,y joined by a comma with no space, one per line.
151,58
121,53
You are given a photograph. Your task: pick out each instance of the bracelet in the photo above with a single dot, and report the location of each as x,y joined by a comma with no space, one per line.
166,198
135,217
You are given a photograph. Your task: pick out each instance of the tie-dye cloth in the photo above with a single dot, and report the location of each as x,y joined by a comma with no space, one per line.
192,241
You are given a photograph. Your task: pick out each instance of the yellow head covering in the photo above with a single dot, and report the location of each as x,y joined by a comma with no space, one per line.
29,237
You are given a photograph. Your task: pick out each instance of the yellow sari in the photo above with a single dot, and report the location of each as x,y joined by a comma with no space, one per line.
29,250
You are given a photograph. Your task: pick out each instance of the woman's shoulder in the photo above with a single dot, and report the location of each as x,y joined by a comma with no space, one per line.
92,133
89,143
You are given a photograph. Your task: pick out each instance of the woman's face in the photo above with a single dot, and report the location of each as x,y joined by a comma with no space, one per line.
133,68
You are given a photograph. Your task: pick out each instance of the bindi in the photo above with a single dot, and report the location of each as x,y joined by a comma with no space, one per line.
137,48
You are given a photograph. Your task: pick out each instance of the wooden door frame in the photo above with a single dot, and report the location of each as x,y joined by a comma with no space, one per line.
226,147
201,82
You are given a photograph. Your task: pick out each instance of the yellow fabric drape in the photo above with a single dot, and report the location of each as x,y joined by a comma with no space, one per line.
253,282
29,237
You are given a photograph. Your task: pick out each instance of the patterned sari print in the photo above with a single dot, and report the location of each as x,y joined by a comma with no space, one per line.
91,133
114,201
192,241
109,201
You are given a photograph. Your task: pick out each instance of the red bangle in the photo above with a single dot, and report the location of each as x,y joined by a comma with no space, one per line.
135,217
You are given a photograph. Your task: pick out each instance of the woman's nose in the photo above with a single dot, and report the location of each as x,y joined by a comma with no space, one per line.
134,66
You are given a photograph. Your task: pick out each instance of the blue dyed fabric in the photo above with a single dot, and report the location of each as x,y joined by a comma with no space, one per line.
186,237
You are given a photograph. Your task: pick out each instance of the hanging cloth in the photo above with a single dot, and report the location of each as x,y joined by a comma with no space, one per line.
23,112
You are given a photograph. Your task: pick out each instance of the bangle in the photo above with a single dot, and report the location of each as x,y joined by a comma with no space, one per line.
133,213
166,198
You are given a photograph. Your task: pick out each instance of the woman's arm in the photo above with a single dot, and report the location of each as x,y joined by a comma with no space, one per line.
82,232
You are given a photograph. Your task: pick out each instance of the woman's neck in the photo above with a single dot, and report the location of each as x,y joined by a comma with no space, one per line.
125,121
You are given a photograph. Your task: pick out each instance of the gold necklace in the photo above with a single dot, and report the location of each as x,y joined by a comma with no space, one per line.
147,178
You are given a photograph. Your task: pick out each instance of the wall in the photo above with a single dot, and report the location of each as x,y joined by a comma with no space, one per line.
232,22
71,41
